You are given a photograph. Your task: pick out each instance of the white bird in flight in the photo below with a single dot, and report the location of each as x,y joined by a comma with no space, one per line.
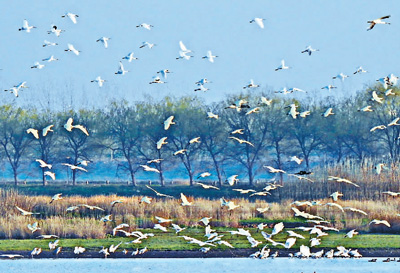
146,26
378,21
283,66
121,70
99,81
309,50
26,27
72,49
68,126
71,16
104,41
258,21
209,56
130,57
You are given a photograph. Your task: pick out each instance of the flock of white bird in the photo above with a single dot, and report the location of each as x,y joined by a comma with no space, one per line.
319,225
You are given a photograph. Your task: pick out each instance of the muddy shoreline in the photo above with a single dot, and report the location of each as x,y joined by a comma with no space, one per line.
231,253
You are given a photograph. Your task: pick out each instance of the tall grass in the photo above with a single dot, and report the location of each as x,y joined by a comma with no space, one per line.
84,223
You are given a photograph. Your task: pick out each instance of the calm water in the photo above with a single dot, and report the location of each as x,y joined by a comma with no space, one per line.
196,265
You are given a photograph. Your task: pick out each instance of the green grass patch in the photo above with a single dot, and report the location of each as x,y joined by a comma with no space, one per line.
170,241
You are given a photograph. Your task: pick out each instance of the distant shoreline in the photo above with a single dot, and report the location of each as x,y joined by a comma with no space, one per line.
230,253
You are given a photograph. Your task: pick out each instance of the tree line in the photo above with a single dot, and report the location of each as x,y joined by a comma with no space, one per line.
127,134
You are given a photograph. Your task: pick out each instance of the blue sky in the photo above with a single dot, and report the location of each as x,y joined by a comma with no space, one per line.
336,28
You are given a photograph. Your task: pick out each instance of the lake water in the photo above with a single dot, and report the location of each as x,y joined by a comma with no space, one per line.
196,265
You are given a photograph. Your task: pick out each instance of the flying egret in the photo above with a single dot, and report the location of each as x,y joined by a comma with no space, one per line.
201,88
177,228
50,59
254,110
71,16
185,202
161,142
378,21
335,196
34,132
73,167
211,115
205,220
195,140
378,127
209,56
33,227
360,70
258,21
156,79
149,169
53,245
328,112
309,50
329,87
293,110
55,30
72,49
68,126
366,109
394,122
26,27
340,76
79,250
251,85
273,170
52,175
241,141
159,194
47,43
26,213
168,122
144,25
376,98
205,186
160,227
149,45
146,200
121,70
232,179
390,92
351,233
99,81
164,73
56,197
130,57
283,66
380,222
296,159
38,65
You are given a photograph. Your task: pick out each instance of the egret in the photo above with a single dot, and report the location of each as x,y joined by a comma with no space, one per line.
168,122
47,236
376,98
156,79
38,65
294,234
378,21
265,101
106,219
380,167
71,16
161,142
36,251
355,210
237,131
212,115
241,141
394,194
296,159
55,30
254,110
158,160
149,45
232,179
194,140
205,220
53,245
335,205
149,169
105,252
68,126
33,227
336,195
119,201
340,76
202,88
342,180
185,202
262,210
177,228
56,197
26,27
204,186
389,92
79,250
164,73
50,59
329,87
351,233
159,194
26,213
328,112
202,81
394,122
380,222
121,70
47,43
304,114
283,66
144,25
379,127
360,70
258,21
160,227
366,109
44,164
72,49
130,57
251,85
99,81
273,170
309,50
73,167
293,110
209,56
113,248
146,200
34,132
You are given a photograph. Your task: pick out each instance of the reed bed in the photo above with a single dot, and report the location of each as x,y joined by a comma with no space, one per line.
85,223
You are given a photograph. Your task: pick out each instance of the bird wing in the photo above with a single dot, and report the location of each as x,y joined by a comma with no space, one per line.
82,128
385,17
68,125
183,47
184,199
259,22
